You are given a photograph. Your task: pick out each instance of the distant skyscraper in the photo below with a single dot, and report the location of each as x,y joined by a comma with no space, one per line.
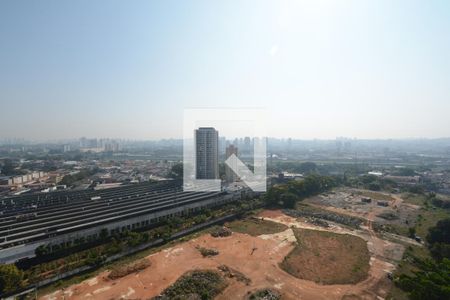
83,142
236,142
222,145
229,174
247,144
207,153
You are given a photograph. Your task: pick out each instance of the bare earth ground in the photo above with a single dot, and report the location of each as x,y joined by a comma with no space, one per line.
343,202
320,253
348,201
257,258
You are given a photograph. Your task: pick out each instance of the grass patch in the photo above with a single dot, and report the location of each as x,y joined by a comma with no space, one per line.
392,228
428,217
327,258
413,198
198,284
255,227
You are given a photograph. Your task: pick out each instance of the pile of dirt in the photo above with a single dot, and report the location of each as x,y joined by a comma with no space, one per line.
121,271
207,252
265,294
232,273
221,232
193,285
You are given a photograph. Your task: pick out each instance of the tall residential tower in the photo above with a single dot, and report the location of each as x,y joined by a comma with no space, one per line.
207,153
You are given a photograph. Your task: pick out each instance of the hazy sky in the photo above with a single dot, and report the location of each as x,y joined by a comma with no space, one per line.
366,69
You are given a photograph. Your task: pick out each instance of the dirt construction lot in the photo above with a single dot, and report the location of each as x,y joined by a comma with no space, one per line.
256,257
350,201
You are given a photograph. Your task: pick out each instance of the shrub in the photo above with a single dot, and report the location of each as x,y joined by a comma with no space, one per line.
207,252
265,294
10,278
122,271
221,232
198,284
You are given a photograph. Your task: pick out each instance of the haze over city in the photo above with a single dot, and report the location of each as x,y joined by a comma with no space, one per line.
322,69
225,150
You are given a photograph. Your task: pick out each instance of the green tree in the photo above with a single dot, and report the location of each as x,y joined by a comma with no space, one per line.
307,167
412,232
289,200
10,278
432,282
404,172
94,258
133,238
417,189
312,184
42,250
176,222
176,171
103,233
439,240
374,186
439,251
272,197
8,167
440,233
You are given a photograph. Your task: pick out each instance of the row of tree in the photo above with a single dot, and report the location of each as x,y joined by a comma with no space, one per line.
10,278
83,174
432,281
438,240
287,195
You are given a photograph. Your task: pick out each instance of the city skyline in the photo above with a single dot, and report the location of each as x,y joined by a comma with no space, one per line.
76,141
259,149
362,69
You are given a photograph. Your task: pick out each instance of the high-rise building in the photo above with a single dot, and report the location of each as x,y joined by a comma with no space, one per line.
229,174
207,153
247,144
236,142
83,142
222,146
